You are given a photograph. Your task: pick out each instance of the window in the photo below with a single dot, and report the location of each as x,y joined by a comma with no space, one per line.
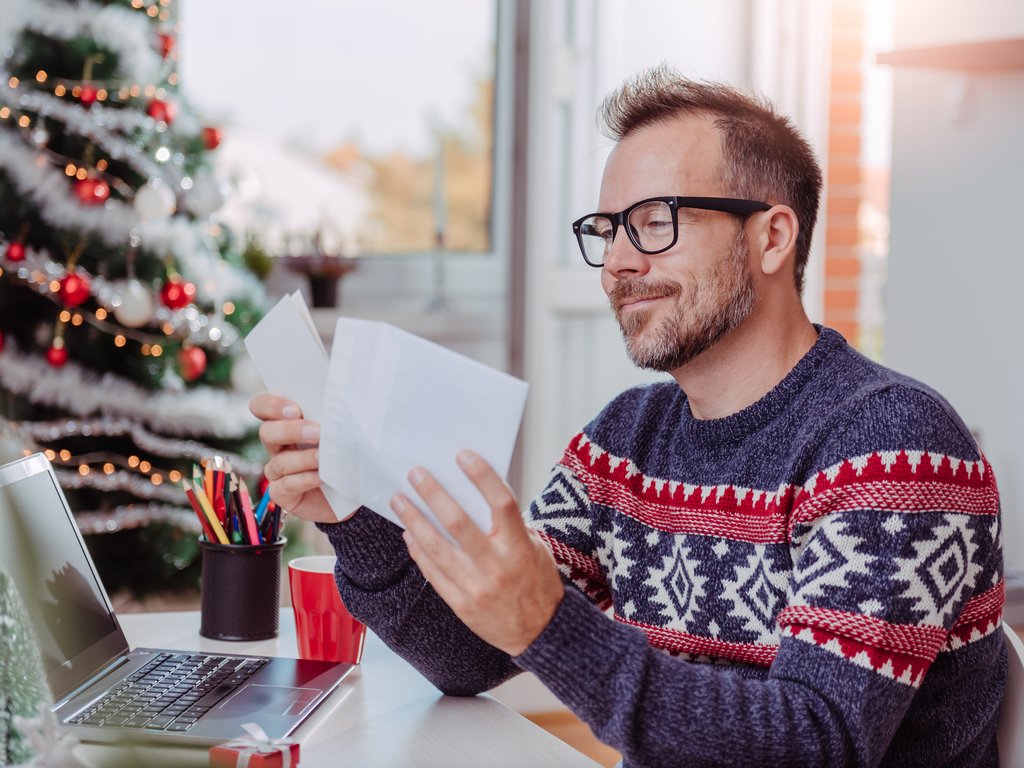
364,128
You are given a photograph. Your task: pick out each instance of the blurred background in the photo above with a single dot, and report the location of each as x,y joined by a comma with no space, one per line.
420,164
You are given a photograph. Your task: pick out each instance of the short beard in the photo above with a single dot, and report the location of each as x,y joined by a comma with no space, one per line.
717,304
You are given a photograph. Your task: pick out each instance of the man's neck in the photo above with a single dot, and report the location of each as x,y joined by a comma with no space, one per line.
746,365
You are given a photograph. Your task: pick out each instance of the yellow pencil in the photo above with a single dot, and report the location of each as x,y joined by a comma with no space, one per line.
211,516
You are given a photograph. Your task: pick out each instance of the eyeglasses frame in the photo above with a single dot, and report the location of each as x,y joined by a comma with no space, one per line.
735,206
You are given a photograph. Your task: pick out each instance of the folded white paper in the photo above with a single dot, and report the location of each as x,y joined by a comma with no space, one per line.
290,358
395,401
388,401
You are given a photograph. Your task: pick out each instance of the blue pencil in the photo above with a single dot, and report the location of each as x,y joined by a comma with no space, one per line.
261,508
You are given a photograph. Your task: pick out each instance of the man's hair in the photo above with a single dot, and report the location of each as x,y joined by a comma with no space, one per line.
764,157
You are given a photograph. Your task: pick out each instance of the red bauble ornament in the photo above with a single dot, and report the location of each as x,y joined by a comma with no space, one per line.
16,252
166,44
211,137
162,111
177,293
74,289
192,361
88,94
57,356
90,191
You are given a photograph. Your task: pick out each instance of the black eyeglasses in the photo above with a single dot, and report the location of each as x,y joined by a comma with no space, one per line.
652,225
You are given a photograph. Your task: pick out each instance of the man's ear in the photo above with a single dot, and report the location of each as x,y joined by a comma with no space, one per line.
777,233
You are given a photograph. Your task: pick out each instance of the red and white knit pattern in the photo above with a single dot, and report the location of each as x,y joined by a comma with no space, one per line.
894,482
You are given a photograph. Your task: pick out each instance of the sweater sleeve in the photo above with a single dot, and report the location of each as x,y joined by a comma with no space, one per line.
895,559
382,587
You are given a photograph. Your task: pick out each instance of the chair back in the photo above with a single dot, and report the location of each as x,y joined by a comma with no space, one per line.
1010,735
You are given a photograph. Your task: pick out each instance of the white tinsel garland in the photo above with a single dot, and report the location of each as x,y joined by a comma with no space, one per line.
201,411
137,516
37,270
49,188
109,426
123,31
120,480
97,123
215,279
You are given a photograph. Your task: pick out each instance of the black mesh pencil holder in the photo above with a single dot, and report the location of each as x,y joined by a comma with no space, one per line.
241,587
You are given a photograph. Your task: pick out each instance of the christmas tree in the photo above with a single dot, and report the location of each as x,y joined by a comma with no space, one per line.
22,676
122,300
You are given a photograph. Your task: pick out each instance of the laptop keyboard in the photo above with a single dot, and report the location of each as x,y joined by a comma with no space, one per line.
171,692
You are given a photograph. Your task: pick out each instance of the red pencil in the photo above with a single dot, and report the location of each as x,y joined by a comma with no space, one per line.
207,531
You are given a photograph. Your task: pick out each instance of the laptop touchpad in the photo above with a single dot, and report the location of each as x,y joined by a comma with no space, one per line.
269,699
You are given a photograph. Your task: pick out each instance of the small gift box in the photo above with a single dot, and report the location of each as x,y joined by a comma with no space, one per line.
255,751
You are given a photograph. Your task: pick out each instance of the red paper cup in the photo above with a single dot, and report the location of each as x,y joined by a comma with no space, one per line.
324,628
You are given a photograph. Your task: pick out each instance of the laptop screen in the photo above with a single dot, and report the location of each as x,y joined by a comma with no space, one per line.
44,557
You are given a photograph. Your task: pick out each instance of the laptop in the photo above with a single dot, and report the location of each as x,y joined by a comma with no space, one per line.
102,689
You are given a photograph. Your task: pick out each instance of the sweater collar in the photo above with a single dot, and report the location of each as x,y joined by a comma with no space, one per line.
738,426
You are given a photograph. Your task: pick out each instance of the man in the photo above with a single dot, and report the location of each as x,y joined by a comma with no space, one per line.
800,548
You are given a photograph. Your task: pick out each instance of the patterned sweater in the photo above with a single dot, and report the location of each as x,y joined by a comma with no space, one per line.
815,580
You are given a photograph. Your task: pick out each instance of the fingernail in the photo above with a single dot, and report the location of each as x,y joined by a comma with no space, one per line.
291,412
417,475
466,458
310,433
396,504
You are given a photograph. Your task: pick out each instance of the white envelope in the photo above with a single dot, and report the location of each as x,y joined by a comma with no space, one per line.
388,401
290,358
395,401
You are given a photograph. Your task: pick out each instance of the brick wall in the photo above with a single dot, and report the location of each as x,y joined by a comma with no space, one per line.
843,175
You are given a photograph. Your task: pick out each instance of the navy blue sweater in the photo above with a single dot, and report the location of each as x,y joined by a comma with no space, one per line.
815,580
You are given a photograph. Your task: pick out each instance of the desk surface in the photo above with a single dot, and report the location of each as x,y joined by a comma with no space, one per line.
383,715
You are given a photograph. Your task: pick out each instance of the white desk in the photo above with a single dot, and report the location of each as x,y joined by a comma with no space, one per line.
383,715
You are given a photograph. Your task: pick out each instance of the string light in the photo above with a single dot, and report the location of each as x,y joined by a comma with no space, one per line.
41,76
133,461
64,316
65,454
83,469
101,314
77,319
5,112
145,466
108,468
13,82
120,340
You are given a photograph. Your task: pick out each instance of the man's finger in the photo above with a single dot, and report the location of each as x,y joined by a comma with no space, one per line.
506,517
447,511
267,406
276,435
422,530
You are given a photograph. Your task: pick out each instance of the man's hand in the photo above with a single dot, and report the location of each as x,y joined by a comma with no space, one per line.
293,467
503,585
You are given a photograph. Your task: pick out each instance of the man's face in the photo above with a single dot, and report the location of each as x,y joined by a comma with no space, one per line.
674,305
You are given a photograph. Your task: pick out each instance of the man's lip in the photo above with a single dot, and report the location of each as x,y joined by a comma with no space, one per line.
638,302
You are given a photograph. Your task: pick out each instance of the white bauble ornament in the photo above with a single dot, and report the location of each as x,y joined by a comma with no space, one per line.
205,197
154,202
132,304
244,377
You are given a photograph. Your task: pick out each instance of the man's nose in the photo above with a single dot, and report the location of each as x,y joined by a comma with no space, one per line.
623,258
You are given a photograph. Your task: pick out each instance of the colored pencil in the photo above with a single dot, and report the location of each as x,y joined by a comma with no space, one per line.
204,502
